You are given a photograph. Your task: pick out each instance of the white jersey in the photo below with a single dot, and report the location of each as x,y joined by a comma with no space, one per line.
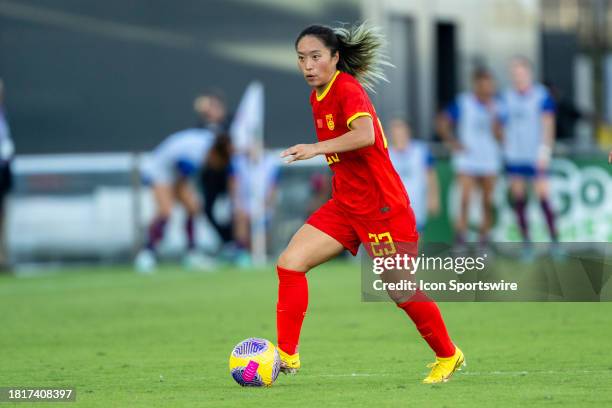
181,153
523,123
412,164
474,121
261,175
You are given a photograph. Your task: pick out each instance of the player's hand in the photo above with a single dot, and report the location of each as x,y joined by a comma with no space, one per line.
300,152
610,157
544,158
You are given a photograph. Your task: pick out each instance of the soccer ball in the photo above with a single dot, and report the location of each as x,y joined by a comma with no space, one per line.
254,363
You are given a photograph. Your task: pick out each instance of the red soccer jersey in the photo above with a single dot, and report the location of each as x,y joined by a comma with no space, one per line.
365,183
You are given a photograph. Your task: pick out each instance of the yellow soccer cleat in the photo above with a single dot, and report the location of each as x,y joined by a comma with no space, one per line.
443,368
290,364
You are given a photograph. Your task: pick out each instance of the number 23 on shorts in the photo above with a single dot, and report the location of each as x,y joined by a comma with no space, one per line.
382,245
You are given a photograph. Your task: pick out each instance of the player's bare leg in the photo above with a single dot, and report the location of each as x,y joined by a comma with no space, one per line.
466,183
185,194
518,193
163,196
308,248
487,186
542,189
242,236
188,198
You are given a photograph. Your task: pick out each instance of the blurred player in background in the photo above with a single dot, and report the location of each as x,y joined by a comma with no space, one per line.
470,127
369,205
216,183
7,151
253,169
215,178
320,191
528,144
169,171
212,112
414,163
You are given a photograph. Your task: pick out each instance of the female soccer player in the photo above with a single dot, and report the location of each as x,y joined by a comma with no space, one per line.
369,204
470,127
529,137
413,161
168,171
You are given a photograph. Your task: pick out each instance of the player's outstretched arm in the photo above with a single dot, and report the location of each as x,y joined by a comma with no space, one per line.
360,135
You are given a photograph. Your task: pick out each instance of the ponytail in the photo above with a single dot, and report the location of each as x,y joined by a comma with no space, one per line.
359,48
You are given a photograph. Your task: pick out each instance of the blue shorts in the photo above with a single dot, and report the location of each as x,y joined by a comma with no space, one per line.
168,173
527,171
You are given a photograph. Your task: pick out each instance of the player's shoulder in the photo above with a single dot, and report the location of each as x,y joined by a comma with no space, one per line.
346,78
421,147
541,90
464,97
347,83
419,144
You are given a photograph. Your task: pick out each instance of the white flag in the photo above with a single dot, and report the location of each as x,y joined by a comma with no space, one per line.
247,126
247,137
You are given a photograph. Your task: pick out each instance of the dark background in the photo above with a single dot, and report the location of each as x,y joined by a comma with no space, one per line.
85,76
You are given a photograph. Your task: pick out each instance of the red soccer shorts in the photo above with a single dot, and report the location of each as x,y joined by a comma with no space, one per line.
383,237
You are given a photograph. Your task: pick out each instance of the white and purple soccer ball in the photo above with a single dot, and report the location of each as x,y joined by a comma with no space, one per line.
254,362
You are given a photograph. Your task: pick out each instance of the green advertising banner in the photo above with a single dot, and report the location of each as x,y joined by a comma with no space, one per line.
580,192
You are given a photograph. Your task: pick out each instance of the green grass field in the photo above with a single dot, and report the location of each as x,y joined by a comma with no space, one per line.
125,340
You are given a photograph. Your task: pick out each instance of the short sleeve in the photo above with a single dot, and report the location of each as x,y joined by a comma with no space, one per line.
429,159
452,111
354,102
548,104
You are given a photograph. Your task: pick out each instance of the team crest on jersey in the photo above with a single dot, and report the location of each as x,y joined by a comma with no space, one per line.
330,121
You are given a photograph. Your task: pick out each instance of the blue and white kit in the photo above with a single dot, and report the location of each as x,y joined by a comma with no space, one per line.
412,165
474,121
522,114
180,155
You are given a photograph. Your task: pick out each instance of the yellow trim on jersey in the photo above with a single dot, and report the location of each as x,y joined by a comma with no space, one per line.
327,88
382,132
355,116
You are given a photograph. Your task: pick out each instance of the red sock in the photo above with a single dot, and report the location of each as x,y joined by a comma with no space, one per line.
426,316
291,308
